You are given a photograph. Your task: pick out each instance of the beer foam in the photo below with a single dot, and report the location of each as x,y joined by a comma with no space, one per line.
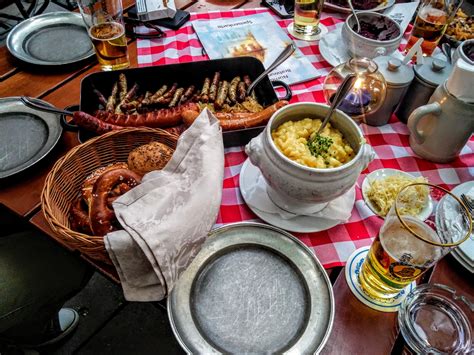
401,245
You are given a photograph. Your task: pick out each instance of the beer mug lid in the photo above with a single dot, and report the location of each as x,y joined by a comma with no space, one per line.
394,71
433,71
434,319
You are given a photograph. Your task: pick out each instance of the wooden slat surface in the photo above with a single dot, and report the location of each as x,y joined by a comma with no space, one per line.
358,329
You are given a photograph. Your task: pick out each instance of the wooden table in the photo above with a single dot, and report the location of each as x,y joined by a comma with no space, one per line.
357,329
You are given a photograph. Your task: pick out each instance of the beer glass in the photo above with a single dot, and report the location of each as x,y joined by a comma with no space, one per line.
104,21
307,16
407,246
431,22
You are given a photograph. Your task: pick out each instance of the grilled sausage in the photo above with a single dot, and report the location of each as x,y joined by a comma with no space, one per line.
163,118
230,121
214,87
112,99
93,124
233,89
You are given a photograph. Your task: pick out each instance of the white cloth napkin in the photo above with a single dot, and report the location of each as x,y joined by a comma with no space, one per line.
339,209
168,216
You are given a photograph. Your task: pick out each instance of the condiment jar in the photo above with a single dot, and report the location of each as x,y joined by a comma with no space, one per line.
428,76
398,77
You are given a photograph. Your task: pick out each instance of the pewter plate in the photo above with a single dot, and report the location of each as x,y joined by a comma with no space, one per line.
26,135
252,289
55,38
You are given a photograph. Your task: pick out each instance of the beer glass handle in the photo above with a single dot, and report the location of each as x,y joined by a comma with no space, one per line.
433,108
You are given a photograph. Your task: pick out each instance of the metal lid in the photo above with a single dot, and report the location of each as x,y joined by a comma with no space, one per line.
433,71
394,72
252,288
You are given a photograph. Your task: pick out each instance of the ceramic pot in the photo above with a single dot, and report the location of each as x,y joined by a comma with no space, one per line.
460,52
297,188
441,128
360,46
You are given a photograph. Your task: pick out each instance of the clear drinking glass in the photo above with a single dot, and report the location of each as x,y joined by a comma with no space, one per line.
104,21
407,244
431,22
307,16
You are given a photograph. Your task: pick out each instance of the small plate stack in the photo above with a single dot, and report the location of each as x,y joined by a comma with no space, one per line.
464,253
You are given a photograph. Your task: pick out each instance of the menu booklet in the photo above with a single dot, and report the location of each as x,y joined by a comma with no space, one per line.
258,36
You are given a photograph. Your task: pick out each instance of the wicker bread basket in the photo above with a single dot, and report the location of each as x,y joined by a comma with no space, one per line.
64,181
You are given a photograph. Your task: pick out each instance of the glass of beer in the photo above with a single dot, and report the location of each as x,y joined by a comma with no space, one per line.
104,21
307,16
407,246
431,22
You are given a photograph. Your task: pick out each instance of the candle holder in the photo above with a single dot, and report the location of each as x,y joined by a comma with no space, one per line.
368,92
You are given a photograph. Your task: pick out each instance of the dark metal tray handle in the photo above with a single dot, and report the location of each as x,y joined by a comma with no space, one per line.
68,126
288,93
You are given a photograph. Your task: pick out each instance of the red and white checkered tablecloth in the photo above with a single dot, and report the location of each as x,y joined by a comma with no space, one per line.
390,143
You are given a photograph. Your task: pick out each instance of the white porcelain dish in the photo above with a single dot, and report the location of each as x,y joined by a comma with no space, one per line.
382,174
297,188
335,54
249,176
360,46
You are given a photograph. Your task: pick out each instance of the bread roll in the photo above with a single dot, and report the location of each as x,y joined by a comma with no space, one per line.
149,157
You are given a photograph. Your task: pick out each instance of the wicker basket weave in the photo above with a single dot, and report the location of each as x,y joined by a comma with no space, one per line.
64,181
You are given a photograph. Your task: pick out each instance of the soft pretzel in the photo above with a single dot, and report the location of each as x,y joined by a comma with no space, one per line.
80,216
101,213
92,178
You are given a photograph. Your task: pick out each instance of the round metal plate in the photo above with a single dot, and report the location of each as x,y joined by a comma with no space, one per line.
26,135
55,38
253,288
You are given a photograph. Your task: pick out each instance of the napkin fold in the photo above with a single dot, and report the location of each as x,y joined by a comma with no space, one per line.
338,209
168,216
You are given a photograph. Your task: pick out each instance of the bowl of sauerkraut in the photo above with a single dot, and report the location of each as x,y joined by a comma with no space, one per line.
381,187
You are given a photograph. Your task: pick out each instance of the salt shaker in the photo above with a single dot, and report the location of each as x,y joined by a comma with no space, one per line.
398,77
428,76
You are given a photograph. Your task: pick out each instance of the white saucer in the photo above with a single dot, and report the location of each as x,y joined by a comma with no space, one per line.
249,175
386,172
352,270
322,31
332,49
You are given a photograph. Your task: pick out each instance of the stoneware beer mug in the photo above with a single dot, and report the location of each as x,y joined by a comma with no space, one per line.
440,129
407,246
104,21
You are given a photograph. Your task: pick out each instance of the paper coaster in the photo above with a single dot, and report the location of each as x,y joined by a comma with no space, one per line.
322,31
353,267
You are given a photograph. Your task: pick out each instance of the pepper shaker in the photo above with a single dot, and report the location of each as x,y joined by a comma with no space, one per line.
398,77
428,76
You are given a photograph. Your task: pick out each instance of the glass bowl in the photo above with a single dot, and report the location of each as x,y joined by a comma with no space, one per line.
368,92
434,319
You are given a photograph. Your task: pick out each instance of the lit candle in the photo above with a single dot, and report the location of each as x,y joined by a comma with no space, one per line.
356,101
